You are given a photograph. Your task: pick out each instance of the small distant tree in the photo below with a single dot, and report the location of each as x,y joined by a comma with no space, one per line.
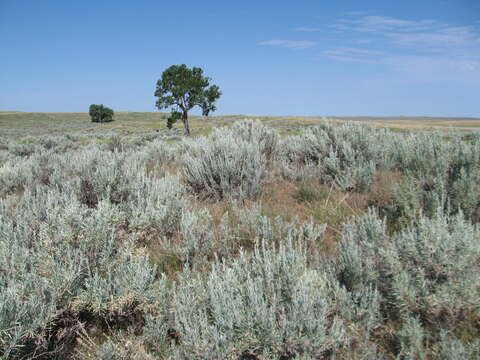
100,113
181,89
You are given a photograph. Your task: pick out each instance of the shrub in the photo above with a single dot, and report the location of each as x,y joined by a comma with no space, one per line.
425,274
100,113
270,304
23,149
255,132
446,175
93,240
347,156
225,165
156,204
68,263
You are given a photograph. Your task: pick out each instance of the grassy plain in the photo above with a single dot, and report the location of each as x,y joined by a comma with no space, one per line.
17,124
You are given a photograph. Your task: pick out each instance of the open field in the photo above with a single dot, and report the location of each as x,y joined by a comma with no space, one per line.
282,238
19,124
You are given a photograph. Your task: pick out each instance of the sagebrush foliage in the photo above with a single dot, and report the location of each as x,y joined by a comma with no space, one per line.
230,162
346,155
437,171
108,251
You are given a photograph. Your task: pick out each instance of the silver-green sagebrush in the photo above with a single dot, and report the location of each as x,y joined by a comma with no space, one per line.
106,253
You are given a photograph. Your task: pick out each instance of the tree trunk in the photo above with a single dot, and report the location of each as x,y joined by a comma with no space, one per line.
186,127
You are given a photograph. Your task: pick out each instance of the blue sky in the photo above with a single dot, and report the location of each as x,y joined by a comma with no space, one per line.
371,57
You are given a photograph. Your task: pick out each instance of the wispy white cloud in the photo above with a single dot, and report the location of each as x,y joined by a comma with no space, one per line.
434,68
408,32
383,22
444,37
419,49
413,49
352,51
375,24
292,44
356,13
433,64
308,29
353,54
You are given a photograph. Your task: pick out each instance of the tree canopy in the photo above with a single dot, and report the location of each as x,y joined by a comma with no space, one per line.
100,113
181,89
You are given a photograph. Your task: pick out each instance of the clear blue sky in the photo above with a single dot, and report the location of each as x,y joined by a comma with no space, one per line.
322,57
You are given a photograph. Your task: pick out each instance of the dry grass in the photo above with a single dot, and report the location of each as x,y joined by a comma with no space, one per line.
312,200
279,199
21,124
325,204
292,202
380,193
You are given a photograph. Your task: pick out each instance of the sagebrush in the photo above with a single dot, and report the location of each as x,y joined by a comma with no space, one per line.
140,248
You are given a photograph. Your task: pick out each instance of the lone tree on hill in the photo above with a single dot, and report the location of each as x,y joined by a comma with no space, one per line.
182,89
100,113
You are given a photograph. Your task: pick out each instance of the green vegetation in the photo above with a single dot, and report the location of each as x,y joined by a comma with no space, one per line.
182,89
310,193
20,124
334,241
100,113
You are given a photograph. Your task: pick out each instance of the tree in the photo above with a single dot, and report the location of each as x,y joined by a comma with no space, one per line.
208,104
100,113
182,88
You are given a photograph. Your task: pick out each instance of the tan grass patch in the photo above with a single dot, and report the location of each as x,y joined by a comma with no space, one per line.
380,195
311,200
279,199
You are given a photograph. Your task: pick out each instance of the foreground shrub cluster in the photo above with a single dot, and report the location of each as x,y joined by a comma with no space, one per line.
230,162
435,170
142,249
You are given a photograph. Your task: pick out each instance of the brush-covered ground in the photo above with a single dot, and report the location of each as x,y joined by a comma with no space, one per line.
279,238
18,124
